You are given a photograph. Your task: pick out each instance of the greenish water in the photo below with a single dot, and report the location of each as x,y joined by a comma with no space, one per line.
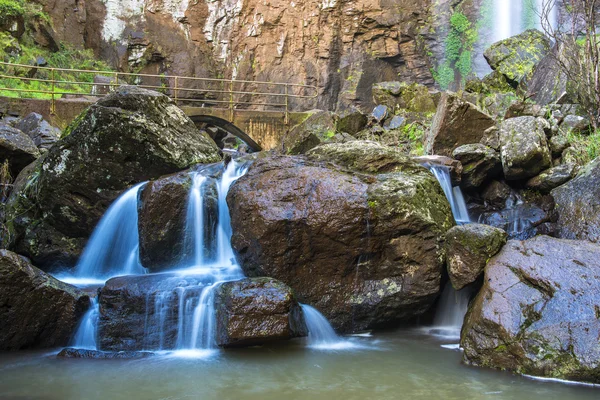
394,365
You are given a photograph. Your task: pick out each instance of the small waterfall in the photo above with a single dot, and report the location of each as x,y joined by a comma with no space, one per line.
453,194
85,337
320,332
195,220
113,248
451,312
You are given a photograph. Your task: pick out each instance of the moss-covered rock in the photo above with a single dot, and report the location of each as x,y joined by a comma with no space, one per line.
355,229
468,249
480,164
538,311
130,136
552,178
317,129
412,97
516,57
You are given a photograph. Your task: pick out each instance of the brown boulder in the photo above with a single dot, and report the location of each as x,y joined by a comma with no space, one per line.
36,310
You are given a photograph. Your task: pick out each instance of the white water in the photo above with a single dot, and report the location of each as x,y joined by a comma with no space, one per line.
85,337
510,17
321,334
453,194
113,248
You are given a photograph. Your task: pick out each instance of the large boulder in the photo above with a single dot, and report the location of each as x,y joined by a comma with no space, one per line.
548,83
456,122
355,229
17,148
524,147
480,164
577,203
468,249
318,128
255,311
552,178
39,130
412,97
36,310
157,312
516,56
130,136
538,311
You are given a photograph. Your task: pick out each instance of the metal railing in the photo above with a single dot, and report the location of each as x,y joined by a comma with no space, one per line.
54,83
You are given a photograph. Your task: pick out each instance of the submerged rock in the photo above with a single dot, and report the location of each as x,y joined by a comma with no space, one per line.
456,122
70,352
524,147
577,203
17,148
36,309
468,249
537,312
130,136
354,229
255,311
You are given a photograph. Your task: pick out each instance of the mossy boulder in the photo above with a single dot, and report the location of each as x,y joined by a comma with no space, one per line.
577,203
480,164
516,57
351,121
524,147
355,229
552,178
318,128
537,312
128,137
412,97
256,311
468,249
36,309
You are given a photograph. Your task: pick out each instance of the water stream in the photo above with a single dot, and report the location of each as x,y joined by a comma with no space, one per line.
85,337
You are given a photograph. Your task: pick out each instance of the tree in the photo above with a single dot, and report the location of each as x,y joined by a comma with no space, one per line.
577,50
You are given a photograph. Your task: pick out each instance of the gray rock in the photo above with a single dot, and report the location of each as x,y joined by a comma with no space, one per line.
537,313
351,121
468,249
480,164
39,130
396,122
318,128
558,144
496,194
552,178
380,113
17,148
524,148
575,123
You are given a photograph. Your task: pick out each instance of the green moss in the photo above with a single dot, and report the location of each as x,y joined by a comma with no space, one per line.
10,9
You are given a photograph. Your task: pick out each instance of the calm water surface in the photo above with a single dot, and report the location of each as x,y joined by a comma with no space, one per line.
394,365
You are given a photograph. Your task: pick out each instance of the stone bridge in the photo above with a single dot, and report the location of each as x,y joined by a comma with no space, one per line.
259,113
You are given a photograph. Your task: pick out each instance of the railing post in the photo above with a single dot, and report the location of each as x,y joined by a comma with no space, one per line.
176,94
231,100
287,106
53,101
116,81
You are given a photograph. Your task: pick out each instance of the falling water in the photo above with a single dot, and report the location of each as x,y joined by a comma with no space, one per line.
320,332
85,337
453,194
195,219
451,312
113,248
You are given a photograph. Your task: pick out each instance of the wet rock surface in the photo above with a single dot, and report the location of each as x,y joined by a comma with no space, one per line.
577,204
70,352
468,249
537,312
255,311
552,178
127,137
456,123
354,229
36,310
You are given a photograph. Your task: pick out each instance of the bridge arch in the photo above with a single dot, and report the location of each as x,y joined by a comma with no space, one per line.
227,127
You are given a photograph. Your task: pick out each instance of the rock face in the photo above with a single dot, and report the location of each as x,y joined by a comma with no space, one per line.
455,123
256,311
480,164
537,312
130,136
552,178
39,130
345,47
360,241
17,148
516,57
142,312
524,147
318,128
577,203
468,249
36,310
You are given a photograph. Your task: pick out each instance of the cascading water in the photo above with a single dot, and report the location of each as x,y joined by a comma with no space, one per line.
321,334
113,248
453,194
85,337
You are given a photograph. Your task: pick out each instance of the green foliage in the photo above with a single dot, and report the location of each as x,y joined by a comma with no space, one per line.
10,9
584,147
458,51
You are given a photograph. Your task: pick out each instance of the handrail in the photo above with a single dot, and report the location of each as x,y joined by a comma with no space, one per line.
230,93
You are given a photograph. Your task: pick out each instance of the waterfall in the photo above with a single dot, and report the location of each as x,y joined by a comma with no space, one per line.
453,194
113,248
85,337
321,334
451,312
